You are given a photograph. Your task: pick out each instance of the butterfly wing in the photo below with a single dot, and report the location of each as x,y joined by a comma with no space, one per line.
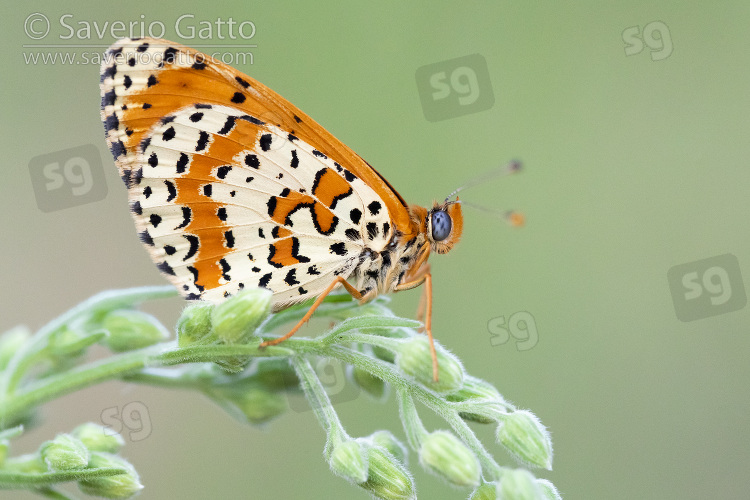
230,185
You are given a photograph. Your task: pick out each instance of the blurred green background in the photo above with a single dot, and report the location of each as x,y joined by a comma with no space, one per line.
633,164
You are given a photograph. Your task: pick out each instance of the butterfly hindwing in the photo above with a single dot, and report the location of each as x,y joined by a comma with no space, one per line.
223,197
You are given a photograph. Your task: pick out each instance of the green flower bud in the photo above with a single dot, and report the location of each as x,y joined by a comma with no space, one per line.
385,439
256,403
476,389
10,342
65,453
98,438
396,333
522,434
518,484
414,359
486,491
129,330
349,460
194,325
446,456
67,343
235,320
119,486
387,478
372,385
549,492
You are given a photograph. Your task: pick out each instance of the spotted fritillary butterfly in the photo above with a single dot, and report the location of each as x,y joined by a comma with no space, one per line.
231,187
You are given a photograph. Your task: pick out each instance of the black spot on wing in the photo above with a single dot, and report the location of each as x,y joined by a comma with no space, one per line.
165,268
187,215
182,163
238,98
265,142
374,207
229,239
171,189
202,141
194,244
353,234
338,248
242,81
228,125
291,277
146,238
355,215
264,280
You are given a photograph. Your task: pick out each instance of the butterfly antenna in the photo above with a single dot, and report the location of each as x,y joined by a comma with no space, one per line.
515,219
511,168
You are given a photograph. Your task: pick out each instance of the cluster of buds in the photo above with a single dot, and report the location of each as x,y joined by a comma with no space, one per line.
376,463
232,322
88,453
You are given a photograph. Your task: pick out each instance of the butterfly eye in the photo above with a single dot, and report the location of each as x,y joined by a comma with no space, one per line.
441,225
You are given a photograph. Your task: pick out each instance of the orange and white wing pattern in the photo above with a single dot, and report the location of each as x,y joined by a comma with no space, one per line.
229,184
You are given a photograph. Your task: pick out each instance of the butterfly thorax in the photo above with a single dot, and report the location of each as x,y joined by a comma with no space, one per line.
381,272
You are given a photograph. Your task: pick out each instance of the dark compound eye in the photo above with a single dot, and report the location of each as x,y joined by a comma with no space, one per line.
441,225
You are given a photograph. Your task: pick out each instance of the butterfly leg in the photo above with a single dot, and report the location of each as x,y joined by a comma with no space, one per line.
339,279
424,276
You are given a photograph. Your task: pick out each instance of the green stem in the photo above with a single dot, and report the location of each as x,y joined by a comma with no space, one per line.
22,480
320,402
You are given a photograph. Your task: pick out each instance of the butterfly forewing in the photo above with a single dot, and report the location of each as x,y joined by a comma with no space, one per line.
225,185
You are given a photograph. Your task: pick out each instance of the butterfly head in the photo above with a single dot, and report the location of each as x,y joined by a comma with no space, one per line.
444,225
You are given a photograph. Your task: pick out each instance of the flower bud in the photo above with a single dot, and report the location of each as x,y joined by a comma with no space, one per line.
10,342
372,385
476,389
118,486
257,404
129,330
65,453
349,460
274,373
443,454
385,439
387,478
98,438
518,484
396,333
67,343
194,325
486,491
235,320
549,492
522,434
414,359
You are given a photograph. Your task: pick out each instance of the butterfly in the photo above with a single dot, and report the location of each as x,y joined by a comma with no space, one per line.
231,187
